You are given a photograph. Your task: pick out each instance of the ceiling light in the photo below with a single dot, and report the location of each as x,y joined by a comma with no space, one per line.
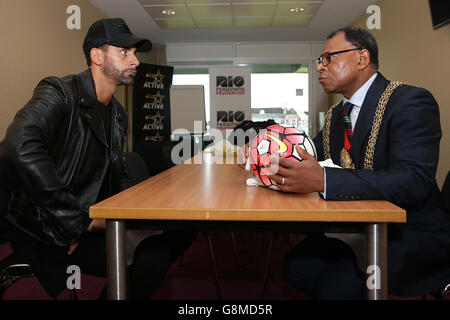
168,12
297,10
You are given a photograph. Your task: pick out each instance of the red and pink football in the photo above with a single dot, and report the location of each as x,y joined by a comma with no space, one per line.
280,141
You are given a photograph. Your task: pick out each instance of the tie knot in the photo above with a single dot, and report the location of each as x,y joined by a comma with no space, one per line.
347,109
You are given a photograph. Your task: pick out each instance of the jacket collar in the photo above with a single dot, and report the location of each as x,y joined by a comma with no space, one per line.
87,95
366,115
357,99
87,98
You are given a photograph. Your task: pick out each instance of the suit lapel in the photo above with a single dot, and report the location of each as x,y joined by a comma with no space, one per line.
336,134
363,125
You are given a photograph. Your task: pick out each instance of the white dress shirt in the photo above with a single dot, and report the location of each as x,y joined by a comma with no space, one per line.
358,97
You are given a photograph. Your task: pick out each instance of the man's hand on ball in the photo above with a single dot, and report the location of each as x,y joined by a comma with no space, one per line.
299,177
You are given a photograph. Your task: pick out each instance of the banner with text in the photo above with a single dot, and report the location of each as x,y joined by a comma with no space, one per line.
230,96
151,103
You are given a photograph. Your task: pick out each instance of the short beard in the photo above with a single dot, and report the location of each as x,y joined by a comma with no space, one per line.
118,75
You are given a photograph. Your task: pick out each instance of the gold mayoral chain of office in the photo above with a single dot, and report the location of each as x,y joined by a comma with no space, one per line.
346,160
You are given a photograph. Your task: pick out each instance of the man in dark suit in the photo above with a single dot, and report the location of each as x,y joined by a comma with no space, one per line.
387,146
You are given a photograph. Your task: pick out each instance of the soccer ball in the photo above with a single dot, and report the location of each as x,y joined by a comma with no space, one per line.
279,141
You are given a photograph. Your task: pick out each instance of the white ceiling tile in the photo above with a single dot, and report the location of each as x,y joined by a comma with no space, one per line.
283,9
253,10
181,11
254,1
214,22
175,23
207,2
210,11
297,21
305,2
240,22
161,2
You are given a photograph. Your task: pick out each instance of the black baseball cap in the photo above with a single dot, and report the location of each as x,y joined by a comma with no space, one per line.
114,32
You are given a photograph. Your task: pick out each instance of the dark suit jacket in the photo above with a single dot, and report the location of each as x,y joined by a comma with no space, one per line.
404,168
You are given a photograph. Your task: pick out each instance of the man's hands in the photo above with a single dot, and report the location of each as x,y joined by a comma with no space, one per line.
299,177
97,225
73,245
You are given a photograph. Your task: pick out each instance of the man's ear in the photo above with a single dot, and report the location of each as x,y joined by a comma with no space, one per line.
364,59
97,56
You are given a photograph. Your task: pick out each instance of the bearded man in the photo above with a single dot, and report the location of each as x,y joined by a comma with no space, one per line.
64,151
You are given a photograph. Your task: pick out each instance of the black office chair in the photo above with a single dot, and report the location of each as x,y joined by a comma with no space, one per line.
11,270
156,155
445,198
445,201
137,168
445,192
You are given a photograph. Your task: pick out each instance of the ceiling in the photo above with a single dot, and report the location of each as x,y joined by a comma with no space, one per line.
193,14
207,21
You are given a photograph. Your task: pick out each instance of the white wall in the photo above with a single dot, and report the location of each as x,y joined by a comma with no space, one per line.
235,53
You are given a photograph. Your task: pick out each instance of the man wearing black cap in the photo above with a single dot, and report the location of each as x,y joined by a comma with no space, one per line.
65,152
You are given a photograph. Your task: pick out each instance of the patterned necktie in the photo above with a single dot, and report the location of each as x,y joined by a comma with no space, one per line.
347,121
347,125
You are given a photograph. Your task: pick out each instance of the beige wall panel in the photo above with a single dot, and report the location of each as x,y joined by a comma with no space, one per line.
36,43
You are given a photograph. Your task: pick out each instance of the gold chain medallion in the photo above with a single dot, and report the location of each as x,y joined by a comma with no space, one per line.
379,113
346,160
326,133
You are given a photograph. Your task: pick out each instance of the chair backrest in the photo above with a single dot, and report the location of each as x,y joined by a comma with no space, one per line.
137,168
156,155
445,192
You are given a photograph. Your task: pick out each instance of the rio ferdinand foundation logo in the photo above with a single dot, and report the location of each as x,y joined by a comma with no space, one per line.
230,85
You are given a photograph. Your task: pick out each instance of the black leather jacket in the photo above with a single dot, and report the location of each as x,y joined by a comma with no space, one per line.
57,156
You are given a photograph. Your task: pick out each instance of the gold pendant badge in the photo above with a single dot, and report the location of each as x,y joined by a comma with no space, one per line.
346,160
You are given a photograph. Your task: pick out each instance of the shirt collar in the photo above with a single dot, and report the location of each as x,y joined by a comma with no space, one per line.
358,97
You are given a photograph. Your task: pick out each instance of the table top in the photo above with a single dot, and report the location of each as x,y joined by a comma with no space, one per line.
218,192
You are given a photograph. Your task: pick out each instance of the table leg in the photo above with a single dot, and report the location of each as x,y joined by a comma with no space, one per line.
116,269
377,282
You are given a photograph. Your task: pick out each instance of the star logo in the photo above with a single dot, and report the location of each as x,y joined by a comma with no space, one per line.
156,138
157,119
157,78
157,99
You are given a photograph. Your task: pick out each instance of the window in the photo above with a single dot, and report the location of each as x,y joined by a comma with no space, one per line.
278,91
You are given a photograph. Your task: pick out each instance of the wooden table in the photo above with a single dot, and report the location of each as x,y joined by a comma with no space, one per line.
216,194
